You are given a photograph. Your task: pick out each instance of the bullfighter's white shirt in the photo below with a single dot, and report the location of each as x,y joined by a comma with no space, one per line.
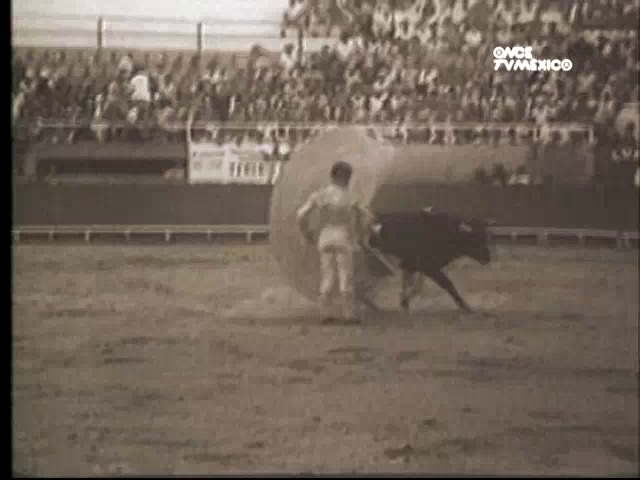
336,217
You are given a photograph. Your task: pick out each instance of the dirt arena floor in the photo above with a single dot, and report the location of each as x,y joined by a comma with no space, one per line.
198,360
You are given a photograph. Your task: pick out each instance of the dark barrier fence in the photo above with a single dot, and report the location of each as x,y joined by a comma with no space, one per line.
91,157
569,164
563,206
458,163
136,204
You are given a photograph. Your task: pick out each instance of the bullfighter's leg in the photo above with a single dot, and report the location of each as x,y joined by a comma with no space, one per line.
327,280
443,281
344,260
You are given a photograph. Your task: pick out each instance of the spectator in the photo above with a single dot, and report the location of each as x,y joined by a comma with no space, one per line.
140,94
527,13
295,15
116,107
625,157
344,48
268,146
288,60
26,92
520,176
472,39
98,127
283,148
318,26
126,65
513,106
376,107
605,114
382,21
581,111
499,175
404,30
167,104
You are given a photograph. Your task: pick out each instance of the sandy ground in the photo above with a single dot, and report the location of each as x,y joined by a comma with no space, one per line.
196,360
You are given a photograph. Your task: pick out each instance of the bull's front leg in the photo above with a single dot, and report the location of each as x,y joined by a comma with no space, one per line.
368,303
443,281
411,286
362,297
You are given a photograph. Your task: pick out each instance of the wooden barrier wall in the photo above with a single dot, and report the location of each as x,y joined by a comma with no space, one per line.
565,206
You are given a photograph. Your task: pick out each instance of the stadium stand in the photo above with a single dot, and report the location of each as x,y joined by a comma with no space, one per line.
423,67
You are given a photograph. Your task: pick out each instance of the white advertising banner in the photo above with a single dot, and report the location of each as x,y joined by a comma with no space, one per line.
213,163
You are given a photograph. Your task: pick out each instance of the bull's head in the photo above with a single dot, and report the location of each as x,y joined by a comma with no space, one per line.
476,240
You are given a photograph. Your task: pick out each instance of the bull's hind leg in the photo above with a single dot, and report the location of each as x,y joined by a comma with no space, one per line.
443,281
404,293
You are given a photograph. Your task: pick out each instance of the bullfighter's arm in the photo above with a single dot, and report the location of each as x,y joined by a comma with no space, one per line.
364,224
302,217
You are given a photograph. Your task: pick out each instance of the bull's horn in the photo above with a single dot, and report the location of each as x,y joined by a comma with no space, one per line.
427,209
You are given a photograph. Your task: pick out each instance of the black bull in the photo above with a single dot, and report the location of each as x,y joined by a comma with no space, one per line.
425,242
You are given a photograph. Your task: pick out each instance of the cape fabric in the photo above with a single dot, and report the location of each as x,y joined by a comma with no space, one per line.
307,171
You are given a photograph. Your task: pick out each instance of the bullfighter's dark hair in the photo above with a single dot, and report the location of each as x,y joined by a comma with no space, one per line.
340,168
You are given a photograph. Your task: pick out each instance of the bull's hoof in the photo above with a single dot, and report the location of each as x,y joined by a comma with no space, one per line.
404,304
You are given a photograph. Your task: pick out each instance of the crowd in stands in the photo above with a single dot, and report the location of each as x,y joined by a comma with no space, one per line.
501,176
420,66
321,18
431,60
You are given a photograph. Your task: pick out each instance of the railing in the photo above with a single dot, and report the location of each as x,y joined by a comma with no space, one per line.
502,126
515,129
283,138
127,232
248,233
34,29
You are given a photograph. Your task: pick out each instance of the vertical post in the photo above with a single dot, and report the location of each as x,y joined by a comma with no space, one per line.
300,49
101,35
200,32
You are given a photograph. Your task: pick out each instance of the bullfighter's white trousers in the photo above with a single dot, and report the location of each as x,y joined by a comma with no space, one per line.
337,261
